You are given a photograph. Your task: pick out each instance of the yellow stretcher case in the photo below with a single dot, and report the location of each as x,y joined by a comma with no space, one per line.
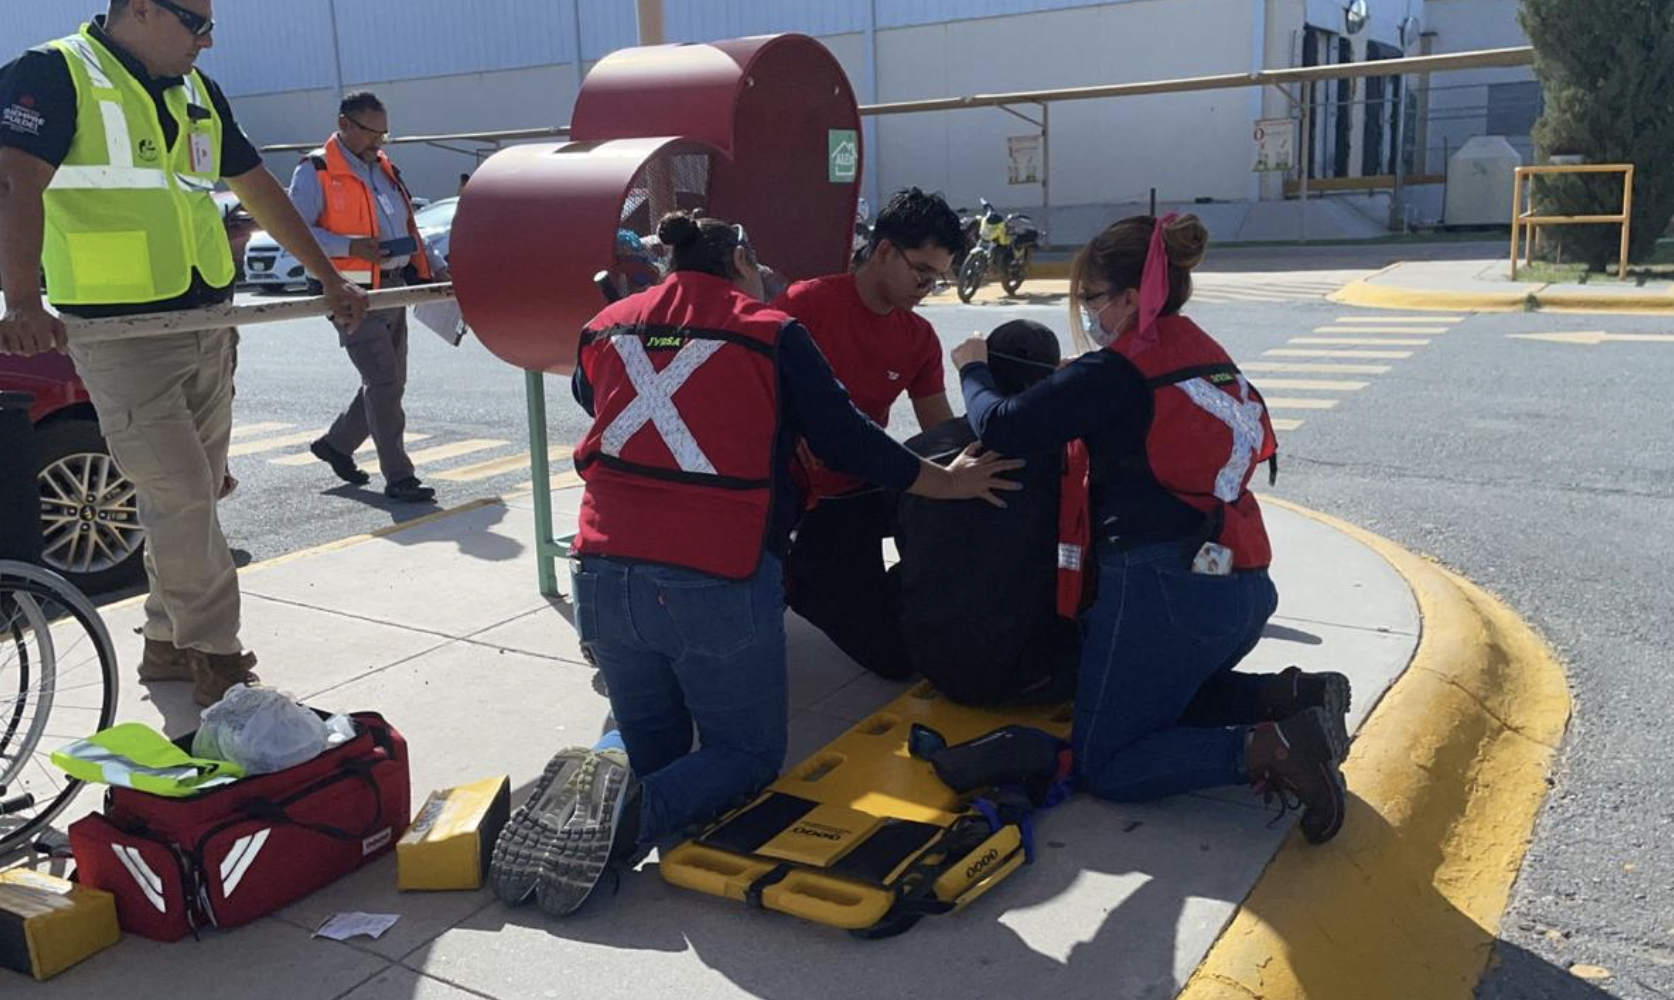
862,835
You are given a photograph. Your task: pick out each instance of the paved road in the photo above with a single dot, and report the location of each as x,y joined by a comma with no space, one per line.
1544,471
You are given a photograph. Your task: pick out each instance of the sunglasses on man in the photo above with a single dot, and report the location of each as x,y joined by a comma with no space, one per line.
194,22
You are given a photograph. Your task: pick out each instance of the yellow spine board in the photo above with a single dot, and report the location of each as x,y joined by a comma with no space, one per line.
862,792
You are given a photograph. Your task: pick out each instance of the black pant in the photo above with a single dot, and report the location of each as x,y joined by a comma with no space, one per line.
839,584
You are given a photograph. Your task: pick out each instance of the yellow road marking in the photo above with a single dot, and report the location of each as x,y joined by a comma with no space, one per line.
498,466
304,458
1299,403
250,430
1306,368
1298,352
1421,320
1324,385
272,444
1409,331
454,449
1362,341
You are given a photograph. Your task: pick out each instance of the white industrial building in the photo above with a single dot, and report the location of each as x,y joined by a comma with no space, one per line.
448,66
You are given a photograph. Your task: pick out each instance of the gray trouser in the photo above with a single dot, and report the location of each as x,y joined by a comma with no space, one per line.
378,349
165,407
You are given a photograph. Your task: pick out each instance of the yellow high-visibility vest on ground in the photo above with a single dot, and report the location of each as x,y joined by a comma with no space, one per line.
128,218
133,755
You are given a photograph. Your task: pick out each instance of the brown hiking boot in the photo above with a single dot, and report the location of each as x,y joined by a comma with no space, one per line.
1291,761
1294,690
164,661
217,672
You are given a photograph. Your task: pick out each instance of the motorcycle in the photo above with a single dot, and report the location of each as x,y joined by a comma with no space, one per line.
1004,244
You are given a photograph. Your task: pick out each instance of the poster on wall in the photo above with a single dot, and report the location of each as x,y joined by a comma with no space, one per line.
1275,140
1023,159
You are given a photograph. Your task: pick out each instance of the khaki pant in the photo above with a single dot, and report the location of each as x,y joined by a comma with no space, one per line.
165,407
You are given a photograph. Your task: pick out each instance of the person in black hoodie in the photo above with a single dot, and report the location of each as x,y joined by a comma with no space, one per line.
978,582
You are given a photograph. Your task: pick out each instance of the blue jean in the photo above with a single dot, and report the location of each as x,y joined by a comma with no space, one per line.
678,647
1159,709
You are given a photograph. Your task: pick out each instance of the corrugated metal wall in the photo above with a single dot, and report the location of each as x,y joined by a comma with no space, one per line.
285,45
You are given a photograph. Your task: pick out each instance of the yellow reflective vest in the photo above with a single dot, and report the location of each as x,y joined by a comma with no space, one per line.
128,218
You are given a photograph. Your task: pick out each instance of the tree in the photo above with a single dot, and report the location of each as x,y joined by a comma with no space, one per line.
1606,68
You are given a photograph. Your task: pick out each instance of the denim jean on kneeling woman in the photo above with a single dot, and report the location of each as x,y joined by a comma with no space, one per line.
678,647
1159,709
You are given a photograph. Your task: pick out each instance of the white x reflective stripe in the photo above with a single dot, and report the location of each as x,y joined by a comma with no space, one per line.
654,402
142,874
239,860
192,94
109,178
1242,416
90,60
191,183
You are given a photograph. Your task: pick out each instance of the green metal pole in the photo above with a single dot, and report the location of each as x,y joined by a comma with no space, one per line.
540,466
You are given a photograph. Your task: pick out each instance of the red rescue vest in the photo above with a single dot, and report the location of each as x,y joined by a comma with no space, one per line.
679,460
1209,432
1075,529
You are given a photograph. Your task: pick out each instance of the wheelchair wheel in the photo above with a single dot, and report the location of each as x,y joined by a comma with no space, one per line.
58,683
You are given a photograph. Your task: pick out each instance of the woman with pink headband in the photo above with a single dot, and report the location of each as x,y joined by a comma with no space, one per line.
1174,433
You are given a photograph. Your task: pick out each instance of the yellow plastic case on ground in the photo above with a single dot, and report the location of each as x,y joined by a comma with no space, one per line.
452,837
48,924
862,835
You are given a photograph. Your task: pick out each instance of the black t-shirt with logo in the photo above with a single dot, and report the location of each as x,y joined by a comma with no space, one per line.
38,117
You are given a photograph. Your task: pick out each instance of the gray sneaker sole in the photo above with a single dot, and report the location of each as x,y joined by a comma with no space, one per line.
1338,697
585,843
532,840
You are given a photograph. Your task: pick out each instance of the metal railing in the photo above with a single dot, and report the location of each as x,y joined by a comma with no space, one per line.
1528,221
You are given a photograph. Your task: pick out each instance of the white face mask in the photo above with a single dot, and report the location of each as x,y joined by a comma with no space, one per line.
1095,328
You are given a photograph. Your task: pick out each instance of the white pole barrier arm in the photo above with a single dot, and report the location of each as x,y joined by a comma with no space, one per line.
96,331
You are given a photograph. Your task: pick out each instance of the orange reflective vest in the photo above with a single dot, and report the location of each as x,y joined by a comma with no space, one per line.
351,210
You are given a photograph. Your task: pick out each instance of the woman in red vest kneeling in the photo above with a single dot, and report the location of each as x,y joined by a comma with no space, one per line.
1174,433
699,393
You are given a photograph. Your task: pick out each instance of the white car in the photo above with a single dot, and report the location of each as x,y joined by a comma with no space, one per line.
268,265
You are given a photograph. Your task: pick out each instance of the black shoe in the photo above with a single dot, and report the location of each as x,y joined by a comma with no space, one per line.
409,490
1294,691
1291,761
343,465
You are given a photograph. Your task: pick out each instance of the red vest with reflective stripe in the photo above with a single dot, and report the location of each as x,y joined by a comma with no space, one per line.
1209,431
679,460
350,211
1075,529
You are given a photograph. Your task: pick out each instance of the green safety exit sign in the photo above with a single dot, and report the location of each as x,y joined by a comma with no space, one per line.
842,155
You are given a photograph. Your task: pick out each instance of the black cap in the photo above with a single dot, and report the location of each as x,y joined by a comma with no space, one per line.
1021,353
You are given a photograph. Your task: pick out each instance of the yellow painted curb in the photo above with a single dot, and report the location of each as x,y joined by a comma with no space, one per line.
1369,296
1446,778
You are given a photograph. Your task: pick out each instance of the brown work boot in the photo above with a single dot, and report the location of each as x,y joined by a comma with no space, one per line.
1291,761
1294,690
217,672
164,661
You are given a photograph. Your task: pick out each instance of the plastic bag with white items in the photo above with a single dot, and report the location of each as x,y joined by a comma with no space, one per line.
263,730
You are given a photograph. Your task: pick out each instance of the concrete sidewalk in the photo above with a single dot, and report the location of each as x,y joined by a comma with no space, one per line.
1485,285
439,627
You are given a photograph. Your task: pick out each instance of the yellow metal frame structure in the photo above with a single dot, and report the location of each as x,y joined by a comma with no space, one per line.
863,784
1523,218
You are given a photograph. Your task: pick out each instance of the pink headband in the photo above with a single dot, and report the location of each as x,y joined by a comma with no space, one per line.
1153,287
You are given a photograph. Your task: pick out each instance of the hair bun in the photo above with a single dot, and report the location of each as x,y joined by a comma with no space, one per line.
1186,240
678,229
